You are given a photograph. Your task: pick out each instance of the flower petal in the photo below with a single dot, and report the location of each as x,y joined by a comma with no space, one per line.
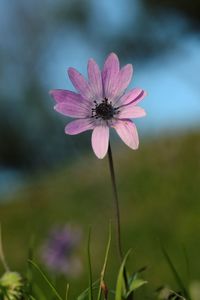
80,83
95,80
70,104
109,74
65,96
133,96
100,138
72,109
131,111
127,131
123,79
78,126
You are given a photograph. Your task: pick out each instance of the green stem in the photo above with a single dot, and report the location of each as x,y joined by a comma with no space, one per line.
116,203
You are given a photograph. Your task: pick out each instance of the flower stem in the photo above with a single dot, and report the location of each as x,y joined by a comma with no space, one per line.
117,213
116,202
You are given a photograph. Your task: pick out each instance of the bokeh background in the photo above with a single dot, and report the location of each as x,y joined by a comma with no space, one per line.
48,178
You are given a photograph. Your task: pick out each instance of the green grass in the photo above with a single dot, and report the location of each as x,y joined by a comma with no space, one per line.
159,191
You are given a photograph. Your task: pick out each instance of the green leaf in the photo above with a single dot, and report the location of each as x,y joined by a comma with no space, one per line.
46,279
136,274
105,262
120,287
135,284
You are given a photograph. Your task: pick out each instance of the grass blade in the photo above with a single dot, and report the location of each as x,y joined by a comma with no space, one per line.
67,292
175,273
90,266
46,279
2,257
105,262
29,273
83,295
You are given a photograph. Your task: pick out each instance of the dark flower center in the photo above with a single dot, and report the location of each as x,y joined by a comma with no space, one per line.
103,110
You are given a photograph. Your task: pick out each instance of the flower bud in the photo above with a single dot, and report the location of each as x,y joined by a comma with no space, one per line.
11,286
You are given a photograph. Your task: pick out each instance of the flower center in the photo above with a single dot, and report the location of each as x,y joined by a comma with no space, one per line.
103,110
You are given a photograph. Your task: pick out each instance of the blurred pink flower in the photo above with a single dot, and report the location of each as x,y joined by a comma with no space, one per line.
101,103
58,252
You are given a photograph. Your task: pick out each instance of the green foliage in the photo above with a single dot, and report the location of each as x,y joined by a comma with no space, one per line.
123,291
127,285
92,286
159,200
120,287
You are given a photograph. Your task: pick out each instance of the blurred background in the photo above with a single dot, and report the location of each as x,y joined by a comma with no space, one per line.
48,178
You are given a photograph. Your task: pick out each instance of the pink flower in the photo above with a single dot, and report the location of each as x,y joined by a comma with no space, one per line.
101,103
58,252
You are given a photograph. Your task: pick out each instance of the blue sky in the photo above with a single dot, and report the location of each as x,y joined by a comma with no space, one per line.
172,81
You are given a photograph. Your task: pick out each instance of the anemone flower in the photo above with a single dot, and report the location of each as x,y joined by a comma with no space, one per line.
101,102
58,252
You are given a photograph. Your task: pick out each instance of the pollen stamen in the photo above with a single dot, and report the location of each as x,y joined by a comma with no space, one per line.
104,110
